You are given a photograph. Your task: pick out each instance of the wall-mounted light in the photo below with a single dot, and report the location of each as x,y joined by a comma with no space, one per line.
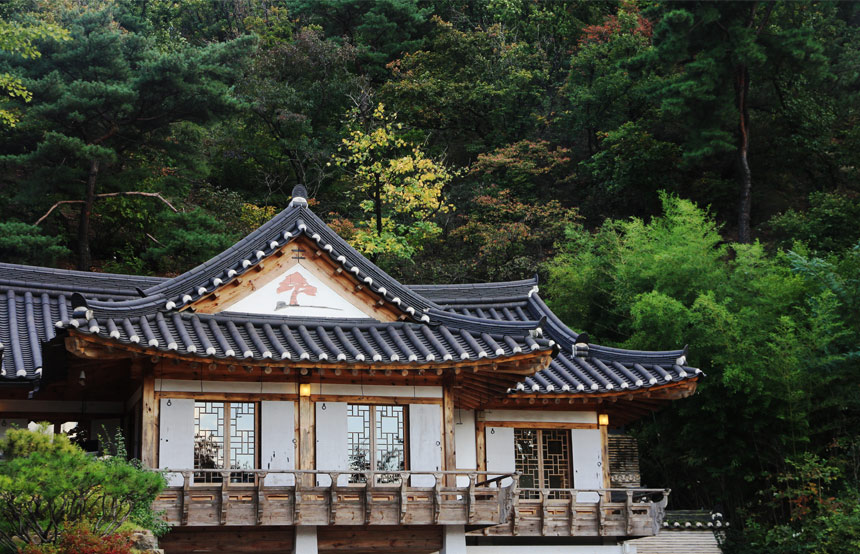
305,389
603,419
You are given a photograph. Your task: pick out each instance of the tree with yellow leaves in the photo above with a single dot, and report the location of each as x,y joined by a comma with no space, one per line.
398,185
19,39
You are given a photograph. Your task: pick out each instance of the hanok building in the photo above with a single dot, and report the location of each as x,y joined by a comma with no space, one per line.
301,398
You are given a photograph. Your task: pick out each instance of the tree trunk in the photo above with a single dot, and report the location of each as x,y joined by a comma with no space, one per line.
742,87
377,207
84,257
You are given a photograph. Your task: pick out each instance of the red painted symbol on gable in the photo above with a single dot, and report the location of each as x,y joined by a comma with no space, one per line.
296,283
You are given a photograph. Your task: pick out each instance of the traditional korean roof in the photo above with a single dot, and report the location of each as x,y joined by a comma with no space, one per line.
580,367
438,324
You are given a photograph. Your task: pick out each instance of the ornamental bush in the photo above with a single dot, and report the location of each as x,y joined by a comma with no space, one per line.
79,538
46,482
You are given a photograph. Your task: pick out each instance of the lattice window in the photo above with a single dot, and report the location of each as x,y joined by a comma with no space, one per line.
542,457
377,439
225,437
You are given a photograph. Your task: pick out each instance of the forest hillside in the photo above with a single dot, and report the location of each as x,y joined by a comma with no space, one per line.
677,173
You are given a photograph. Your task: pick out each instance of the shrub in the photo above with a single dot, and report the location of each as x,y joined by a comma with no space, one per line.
45,481
80,538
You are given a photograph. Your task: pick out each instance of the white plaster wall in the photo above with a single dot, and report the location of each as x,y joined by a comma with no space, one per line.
376,390
499,443
425,442
277,444
464,441
540,415
332,442
176,437
182,385
587,462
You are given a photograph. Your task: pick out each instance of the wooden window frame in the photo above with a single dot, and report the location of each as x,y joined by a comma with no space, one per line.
539,440
226,444
406,438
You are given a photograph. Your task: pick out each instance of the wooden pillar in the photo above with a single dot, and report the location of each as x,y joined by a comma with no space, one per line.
149,417
480,441
450,462
603,424
306,447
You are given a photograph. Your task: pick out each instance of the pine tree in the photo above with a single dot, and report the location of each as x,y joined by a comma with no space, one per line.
101,97
716,53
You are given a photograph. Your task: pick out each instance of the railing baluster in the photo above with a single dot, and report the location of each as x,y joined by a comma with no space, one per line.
515,517
258,498
437,497
601,526
629,512
297,498
404,499
332,497
368,496
544,514
573,495
186,497
470,507
225,483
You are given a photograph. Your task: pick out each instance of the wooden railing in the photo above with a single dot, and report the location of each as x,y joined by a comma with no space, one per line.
584,512
296,497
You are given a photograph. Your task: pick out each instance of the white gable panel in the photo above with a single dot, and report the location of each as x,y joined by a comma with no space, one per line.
176,437
277,445
297,292
587,462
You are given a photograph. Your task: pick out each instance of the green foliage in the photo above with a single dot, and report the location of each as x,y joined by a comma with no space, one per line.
632,165
25,244
775,334
820,523
186,240
296,94
478,89
20,39
532,169
46,482
507,238
107,95
829,224
381,30
396,185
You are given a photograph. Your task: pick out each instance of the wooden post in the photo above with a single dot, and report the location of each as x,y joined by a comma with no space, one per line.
306,446
603,420
450,462
480,442
149,417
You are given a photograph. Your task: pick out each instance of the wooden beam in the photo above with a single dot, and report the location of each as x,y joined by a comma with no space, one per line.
355,399
541,424
227,396
149,417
